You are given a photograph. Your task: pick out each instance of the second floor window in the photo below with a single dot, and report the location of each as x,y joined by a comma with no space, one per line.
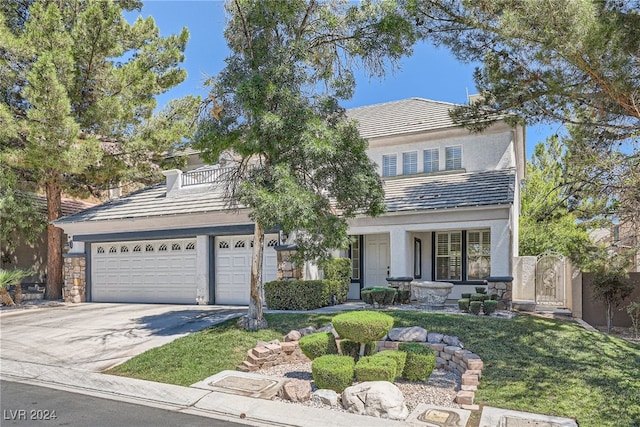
453,157
431,160
389,165
410,163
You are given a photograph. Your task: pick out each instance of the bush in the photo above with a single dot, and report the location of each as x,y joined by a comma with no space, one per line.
362,326
421,360
333,372
339,271
399,357
493,297
371,368
475,307
481,290
479,297
468,296
489,307
352,348
463,304
367,295
378,295
319,344
299,294
389,296
403,296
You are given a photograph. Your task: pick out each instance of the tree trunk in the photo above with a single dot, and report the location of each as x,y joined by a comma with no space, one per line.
609,315
255,316
53,289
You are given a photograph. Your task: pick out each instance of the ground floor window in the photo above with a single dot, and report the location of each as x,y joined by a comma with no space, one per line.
354,254
462,255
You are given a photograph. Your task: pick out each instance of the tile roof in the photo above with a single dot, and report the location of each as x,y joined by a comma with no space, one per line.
402,194
151,202
402,117
426,192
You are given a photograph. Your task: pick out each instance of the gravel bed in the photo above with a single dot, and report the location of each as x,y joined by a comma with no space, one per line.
439,389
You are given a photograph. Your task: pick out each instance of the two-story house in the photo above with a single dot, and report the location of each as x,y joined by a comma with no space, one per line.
452,202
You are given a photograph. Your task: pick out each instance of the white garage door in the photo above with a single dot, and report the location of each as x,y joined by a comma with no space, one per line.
233,267
154,271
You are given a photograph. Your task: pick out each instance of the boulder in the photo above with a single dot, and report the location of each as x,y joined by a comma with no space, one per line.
326,397
414,333
306,331
434,337
453,341
292,336
375,398
296,390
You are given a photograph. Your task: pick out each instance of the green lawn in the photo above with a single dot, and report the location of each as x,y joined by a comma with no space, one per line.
531,364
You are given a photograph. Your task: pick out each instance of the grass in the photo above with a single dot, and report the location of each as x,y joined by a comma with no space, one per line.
531,364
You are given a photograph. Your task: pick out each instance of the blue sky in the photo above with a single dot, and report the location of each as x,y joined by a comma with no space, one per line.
430,72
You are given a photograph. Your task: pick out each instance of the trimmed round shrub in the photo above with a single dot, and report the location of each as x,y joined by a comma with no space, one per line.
352,348
493,297
481,290
489,307
318,344
466,295
420,363
403,296
463,304
478,297
389,296
399,357
333,372
378,295
371,368
475,307
362,326
367,295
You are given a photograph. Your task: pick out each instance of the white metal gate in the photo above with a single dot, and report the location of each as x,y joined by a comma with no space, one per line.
551,272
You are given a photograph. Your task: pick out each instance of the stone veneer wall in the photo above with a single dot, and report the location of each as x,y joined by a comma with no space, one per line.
267,354
503,288
450,355
75,282
287,270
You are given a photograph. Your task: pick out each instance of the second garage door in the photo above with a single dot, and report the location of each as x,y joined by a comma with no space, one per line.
233,267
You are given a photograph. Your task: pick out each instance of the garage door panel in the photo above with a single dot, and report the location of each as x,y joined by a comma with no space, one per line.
233,267
144,271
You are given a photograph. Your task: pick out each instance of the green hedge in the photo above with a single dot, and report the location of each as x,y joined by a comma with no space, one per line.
399,357
318,344
371,368
420,363
338,270
463,304
362,326
475,307
333,372
299,294
489,306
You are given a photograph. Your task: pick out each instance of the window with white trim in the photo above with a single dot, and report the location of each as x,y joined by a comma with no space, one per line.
478,254
431,160
453,157
354,250
389,165
410,163
449,255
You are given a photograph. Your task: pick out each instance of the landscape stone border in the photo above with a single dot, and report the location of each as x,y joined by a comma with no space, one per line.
449,350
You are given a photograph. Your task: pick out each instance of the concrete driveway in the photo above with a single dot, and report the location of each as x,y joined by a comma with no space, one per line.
98,336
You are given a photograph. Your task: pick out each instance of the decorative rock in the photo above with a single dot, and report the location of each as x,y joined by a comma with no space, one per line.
434,337
296,390
327,328
292,336
326,397
452,341
414,333
375,398
266,343
306,331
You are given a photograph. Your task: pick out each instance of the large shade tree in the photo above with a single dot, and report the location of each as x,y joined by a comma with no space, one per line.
573,62
301,165
77,83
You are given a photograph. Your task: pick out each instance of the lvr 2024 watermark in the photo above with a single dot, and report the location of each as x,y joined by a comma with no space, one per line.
28,414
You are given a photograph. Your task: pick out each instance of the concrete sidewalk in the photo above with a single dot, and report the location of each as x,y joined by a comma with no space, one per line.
195,401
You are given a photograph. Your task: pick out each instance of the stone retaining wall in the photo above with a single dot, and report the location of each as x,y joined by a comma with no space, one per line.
267,354
451,355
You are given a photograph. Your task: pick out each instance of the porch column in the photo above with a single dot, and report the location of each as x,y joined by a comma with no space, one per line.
400,256
501,256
